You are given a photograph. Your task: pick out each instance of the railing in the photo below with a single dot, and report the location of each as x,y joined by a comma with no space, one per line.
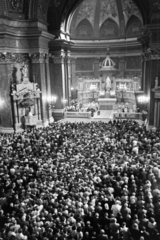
123,115
77,114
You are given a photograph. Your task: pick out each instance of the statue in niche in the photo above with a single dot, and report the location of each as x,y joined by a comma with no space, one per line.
24,71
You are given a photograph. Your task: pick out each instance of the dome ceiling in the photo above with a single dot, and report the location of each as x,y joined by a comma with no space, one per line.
106,19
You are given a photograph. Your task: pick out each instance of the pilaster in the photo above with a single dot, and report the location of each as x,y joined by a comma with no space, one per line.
39,71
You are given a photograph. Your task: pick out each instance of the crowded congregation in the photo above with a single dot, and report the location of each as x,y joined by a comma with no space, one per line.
81,180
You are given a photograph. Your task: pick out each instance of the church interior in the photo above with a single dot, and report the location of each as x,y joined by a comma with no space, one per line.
98,55
79,119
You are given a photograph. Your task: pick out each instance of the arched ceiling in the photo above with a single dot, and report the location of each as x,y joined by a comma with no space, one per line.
57,13
106,19
65,8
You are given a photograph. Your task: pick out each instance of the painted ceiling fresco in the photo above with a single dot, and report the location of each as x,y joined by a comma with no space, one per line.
87,11
130,9
108,10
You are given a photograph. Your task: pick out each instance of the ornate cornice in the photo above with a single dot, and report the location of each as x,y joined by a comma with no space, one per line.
14,58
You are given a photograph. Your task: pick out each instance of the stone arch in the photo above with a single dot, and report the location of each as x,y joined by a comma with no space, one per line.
84,30
109,29
133,27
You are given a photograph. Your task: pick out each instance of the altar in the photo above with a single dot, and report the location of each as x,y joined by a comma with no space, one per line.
107,103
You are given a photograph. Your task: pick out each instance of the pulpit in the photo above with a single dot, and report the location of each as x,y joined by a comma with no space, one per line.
26,98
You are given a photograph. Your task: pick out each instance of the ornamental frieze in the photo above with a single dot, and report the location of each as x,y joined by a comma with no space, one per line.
14,57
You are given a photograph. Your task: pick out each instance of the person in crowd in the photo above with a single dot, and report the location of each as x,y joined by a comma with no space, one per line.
81,181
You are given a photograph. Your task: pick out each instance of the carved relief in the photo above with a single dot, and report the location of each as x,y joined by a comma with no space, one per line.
15,6
38,57
84,64
86,11
108,10
134,62
109,30
129,9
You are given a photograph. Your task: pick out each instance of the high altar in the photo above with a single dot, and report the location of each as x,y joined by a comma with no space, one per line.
26,102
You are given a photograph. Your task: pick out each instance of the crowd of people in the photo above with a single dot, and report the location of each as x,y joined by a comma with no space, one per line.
81,181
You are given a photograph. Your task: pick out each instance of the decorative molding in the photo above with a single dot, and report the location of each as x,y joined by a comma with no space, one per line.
16,6
6,8
38,57
14,58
